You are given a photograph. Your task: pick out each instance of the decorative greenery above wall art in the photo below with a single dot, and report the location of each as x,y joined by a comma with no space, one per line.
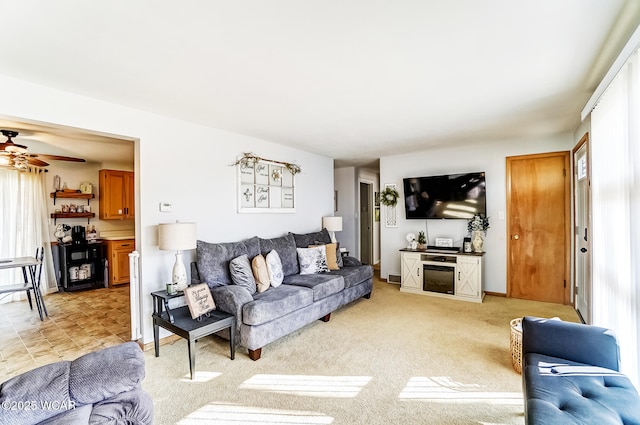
389,196
265,185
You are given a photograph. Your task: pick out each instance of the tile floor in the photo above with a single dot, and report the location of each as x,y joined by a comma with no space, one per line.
78,323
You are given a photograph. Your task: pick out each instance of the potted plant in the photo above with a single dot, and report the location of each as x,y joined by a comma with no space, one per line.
477,227
422,240
389,197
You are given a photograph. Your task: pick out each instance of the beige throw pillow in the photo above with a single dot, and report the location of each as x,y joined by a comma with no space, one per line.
331,253
260,272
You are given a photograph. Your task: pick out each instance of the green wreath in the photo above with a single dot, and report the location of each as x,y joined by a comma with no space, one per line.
389,197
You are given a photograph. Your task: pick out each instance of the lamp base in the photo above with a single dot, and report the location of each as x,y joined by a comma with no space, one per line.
179,274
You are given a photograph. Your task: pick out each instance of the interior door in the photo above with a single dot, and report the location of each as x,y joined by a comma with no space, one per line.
582,239
366,223
538,220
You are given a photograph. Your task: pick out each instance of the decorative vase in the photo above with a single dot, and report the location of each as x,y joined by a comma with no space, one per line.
477,240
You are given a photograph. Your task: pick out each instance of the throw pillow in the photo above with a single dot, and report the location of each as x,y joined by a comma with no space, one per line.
241,273
338,253
313,260
274,267
260,273
332,255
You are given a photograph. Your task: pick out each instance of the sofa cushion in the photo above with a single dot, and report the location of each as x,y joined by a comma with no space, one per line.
260,273
275,303
286,248
49,382
303,240
354,275
274,266
312,260
241,273
560,391
102,374
213,261
322,285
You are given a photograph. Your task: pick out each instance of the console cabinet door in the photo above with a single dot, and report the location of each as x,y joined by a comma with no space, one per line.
468,272
411,271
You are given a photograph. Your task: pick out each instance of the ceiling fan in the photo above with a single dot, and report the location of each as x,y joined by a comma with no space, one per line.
17,156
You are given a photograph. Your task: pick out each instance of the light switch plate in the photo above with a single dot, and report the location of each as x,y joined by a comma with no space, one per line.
165,207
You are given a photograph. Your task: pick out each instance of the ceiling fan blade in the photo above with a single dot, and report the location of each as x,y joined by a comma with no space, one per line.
56,157
37,162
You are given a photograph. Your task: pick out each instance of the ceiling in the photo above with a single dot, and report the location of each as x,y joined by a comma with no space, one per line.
352,80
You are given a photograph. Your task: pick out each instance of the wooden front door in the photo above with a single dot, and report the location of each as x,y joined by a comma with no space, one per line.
538,222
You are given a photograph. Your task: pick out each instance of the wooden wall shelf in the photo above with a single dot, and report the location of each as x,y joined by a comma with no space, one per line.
71,195
56,216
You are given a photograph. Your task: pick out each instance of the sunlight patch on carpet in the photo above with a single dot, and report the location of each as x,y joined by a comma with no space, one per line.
443,389
201,376
308,385
234,414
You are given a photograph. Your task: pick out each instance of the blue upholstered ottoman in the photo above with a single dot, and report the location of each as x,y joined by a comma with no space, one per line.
571,376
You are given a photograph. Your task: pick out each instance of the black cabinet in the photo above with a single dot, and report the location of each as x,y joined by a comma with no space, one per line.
80,266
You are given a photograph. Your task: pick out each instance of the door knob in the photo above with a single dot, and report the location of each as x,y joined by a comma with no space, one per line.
516,237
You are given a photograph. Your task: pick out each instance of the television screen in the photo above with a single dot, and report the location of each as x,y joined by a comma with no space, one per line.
447,196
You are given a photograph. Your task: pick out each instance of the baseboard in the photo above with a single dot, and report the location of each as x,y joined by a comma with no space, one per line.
496,294
163,341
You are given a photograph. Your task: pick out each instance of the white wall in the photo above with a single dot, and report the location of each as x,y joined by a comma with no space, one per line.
489,157
185,164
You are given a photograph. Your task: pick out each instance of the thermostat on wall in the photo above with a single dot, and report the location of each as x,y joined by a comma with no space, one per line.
165,207
444,242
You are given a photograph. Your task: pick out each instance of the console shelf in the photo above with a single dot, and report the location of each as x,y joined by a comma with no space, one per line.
455,275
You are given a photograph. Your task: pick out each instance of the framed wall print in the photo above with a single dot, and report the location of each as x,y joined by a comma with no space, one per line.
265,186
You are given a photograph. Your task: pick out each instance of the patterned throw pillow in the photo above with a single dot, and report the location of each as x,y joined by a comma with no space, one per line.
332,253
274,267
260,273
313,260
241,273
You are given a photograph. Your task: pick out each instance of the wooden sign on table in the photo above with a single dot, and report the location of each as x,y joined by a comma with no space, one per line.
199,300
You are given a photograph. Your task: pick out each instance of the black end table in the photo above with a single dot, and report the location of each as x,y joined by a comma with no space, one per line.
178,320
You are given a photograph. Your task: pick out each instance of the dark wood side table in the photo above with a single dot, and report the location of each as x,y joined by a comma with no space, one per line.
178,320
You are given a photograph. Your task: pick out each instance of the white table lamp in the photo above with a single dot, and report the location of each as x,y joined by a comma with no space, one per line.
333,225
177,237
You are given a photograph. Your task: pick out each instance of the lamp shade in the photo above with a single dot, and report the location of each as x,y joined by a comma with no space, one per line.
332,224
177,236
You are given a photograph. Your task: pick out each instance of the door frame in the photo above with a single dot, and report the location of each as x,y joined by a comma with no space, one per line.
567,297
574,281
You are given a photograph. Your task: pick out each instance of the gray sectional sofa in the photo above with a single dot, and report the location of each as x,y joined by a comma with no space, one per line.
300,299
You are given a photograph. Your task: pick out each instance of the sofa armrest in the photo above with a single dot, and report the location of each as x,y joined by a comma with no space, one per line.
230,299
571,341
350,261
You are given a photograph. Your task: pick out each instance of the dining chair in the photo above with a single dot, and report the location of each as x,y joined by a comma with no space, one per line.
31,283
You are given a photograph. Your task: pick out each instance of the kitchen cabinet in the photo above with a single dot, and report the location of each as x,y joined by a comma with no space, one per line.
116,195
118,260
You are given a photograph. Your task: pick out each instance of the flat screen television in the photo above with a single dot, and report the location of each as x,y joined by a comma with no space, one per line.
446,196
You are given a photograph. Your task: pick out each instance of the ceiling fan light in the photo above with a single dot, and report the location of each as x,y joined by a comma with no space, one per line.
16,149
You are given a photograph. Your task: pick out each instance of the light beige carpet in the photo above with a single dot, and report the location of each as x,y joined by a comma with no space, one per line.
393,359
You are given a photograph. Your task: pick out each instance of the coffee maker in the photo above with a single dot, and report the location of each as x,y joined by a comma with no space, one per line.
78,235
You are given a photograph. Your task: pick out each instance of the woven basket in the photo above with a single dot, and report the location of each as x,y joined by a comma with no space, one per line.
515,344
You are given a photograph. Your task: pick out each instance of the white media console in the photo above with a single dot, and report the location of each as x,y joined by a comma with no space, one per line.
442,274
